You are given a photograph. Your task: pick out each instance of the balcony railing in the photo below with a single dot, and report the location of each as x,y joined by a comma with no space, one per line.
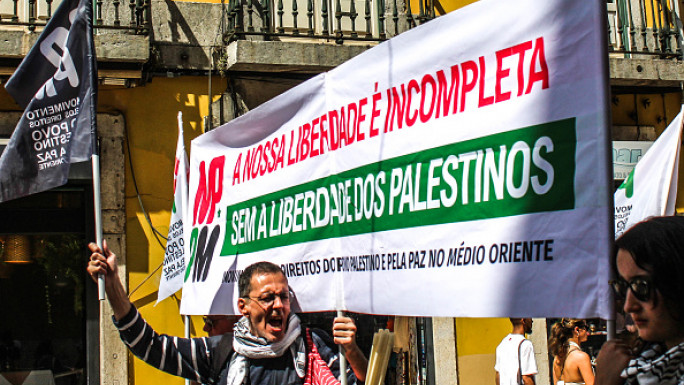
636,27
335,20
645,27
129,15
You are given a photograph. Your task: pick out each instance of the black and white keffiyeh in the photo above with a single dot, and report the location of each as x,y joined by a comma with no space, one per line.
655,367
247,345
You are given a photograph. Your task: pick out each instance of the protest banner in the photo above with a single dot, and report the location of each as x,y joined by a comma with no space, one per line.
651,187
173,267
458,169
57,87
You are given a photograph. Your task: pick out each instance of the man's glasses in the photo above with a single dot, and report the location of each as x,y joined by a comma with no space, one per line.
642,288
267,300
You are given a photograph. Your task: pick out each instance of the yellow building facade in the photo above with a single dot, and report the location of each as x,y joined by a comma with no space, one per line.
150,113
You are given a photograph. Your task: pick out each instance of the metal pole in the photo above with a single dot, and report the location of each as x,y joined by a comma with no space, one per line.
186,318
343,359
607,153
610,329
98,218
209,93
95,157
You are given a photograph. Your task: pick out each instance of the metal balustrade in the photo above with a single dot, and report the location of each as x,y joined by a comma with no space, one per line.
131,15
335,20
645,27
635,27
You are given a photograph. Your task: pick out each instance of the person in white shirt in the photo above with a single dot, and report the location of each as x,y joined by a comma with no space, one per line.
515,364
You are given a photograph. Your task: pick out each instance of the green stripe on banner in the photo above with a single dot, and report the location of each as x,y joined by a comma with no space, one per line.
523,171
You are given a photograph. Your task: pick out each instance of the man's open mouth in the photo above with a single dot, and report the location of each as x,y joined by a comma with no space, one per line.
275,322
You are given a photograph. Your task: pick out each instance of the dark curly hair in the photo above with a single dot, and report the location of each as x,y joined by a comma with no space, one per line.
657,246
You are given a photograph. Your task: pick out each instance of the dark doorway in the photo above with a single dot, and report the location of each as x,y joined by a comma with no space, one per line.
44,331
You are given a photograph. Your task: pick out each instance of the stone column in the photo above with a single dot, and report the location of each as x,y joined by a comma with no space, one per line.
113,353
444,336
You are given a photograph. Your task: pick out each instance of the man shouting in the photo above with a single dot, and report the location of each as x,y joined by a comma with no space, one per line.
270,346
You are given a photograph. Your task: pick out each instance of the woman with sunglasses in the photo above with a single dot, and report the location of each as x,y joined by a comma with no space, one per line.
650,280
570,364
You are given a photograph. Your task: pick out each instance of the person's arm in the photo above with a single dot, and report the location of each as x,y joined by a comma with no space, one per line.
585,369
611,361
496,378
344,333
556,370
528,380
188,358
105,263
528,363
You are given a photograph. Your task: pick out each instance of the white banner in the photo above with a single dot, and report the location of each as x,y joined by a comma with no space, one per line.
458,169
651,188
174,258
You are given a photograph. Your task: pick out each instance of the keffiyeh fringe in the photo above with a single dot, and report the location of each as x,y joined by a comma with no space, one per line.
653,367
247,345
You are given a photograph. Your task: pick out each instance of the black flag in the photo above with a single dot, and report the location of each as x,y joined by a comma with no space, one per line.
56,84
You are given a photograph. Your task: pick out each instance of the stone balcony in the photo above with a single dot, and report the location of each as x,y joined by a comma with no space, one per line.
305,37
121,35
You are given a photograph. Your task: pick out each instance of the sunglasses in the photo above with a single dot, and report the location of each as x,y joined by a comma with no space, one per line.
642,288
210,322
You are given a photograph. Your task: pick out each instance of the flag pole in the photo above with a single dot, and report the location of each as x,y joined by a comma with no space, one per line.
339,299
343,358
95,157
98,214
607,123
186,318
